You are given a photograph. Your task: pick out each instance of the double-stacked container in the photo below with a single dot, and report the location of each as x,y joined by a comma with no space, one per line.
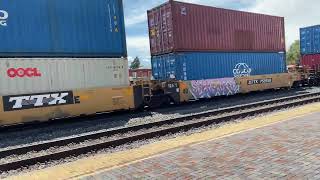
193,42
62,58
57,45
310,46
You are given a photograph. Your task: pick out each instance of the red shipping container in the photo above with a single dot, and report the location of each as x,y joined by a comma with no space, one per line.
179,27
140,73
311,61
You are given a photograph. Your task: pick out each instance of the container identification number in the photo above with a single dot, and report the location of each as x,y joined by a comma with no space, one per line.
260,81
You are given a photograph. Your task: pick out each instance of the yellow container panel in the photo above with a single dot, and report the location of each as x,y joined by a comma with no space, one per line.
264,82
199,89
44,106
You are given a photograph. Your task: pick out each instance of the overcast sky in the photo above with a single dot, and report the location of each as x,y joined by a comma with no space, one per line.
297,13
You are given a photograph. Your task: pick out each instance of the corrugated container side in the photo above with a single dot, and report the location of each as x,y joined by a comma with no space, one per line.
177,26
24,75
59,28
199,65
311,61
310,40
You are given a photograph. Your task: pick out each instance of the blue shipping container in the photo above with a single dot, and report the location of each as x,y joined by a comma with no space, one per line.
71,28
310,40
198,66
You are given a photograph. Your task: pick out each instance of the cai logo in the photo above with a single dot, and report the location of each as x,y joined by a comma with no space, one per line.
4,15
242,70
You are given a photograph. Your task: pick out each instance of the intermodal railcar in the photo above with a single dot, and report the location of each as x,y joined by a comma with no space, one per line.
49,104
76,63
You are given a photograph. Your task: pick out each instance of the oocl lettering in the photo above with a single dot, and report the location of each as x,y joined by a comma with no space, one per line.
4,15
23,72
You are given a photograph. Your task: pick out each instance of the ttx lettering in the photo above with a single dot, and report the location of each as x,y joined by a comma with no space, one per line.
39,100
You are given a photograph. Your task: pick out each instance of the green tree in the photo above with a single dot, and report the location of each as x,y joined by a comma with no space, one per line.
135,63
293,55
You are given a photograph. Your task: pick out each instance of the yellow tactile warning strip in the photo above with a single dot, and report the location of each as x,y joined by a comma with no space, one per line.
102,162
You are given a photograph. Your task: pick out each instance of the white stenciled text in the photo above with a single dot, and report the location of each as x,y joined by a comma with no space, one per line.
39,100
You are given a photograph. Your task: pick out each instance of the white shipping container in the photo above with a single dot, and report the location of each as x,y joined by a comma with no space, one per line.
37,75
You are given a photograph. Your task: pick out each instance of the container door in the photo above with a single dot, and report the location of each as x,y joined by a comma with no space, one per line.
153,30
306,38
184,66
309,41
316,40
166,28
284,62
172,68
161,29
303,41
168,74
155,69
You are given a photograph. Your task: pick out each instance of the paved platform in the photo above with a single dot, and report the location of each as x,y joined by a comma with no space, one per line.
284,145
289,150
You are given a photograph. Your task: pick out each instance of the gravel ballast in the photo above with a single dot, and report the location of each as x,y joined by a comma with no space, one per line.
130,146
31,136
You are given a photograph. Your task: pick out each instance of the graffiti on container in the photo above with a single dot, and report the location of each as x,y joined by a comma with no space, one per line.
23,72
214,87
30,101
242,70
3,17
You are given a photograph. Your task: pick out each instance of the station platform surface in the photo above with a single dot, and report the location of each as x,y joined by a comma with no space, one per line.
289,149
285,145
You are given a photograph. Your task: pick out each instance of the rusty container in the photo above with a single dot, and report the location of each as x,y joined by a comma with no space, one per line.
180,27
311,61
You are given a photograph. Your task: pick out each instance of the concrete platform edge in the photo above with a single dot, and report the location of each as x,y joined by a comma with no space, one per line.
103,162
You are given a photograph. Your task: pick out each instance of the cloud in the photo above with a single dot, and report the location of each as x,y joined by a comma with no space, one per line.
139,43
139,46
297,14
137,19
218,2
136,11
130,58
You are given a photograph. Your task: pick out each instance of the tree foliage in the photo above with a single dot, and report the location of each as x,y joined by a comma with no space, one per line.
135,63
293,55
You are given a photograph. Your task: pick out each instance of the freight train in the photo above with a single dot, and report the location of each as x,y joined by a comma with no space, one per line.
76,64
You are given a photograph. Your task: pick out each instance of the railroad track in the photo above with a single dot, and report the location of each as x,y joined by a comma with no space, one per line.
104,116
26,156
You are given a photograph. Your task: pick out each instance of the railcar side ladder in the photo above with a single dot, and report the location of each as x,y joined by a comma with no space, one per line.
146,91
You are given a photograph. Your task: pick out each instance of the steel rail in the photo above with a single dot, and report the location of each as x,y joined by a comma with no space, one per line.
176,125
